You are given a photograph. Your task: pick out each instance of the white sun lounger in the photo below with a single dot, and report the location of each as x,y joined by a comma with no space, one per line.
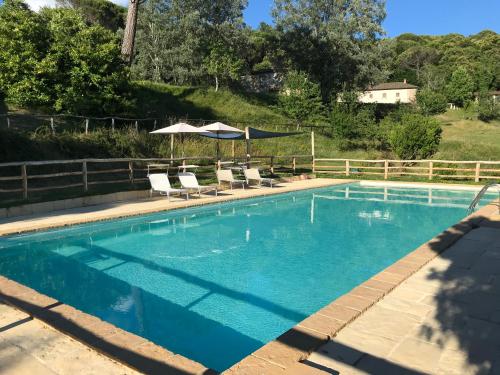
226,175
252,174
189,182
160,183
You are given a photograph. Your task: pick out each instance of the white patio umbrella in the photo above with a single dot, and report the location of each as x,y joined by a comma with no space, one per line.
180,128
221,131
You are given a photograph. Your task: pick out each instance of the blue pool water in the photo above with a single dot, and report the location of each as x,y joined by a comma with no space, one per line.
217,282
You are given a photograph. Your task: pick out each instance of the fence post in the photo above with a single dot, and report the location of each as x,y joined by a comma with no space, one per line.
312,144
478,170
431,167
24,176
136,126
272,165
112,124
86,126
85,177
8,122
131,171
347,168
294,164
52,126
386,169
313,153
154,125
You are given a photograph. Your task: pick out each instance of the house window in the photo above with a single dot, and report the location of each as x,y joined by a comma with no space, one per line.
384,95
371,96
397,95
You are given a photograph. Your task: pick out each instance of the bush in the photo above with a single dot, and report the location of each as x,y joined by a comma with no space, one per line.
487,109
54,59
414,137
300,98
431,102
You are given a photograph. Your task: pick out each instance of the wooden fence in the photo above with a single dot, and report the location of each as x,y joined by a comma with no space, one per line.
24,178
429,169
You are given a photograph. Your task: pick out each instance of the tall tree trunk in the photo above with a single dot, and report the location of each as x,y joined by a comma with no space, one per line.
216,83
130,28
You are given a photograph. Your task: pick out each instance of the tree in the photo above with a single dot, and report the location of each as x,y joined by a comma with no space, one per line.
300,98
487,109
223,65
130,30
460,88
431,102
175,38
333,41
102,12
54,59
415,136
23,40
417,57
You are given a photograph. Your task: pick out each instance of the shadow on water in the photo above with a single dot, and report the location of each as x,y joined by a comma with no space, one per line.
174,327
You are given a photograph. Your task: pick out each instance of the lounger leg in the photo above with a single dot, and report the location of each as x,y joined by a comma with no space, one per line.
150,193
168,196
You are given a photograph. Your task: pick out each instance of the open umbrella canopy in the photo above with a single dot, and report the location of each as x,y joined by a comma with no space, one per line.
179,128
252,134
220,128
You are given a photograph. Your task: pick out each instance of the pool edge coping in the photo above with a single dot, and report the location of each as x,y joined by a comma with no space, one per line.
297,343
210,200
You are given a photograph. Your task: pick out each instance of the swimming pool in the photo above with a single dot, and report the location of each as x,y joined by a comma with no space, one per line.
215,283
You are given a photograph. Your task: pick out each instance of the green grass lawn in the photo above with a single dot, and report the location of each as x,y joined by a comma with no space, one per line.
468,139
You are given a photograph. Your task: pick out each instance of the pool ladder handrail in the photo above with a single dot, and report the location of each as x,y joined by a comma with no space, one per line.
480,195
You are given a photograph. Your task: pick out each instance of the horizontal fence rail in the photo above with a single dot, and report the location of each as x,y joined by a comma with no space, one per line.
24,178
87,124
430,169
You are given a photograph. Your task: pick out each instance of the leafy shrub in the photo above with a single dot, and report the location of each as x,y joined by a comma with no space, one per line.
487,109
300,98
431,102
459,89
414,137
54,59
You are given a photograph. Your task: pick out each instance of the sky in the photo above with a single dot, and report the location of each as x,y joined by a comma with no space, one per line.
432,17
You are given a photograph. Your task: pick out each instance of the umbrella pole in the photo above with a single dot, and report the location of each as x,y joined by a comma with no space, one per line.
247,139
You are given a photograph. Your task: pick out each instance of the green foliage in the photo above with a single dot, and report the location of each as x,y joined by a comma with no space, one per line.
355,125
53,59
431,102
300,98
101,12
335,42
223,65
23,39
175,40
460,88
414,137
487,109
429,61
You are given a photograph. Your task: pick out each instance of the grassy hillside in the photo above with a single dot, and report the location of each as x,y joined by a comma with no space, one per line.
468,139
463,139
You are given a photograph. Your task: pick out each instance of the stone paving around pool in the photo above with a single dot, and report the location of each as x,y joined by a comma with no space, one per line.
444,319
29,347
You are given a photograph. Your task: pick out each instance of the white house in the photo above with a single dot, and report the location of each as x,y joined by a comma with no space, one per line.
390,93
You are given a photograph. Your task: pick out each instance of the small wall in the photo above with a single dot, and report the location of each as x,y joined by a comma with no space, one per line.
44,207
